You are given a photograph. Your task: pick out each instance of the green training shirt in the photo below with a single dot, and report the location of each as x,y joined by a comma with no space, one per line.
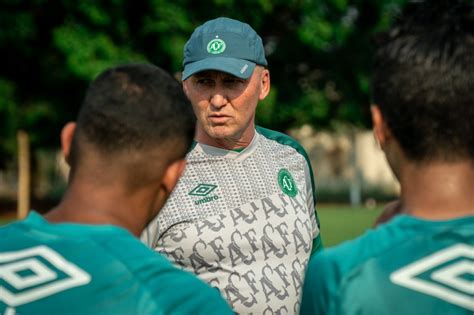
406,266
92,269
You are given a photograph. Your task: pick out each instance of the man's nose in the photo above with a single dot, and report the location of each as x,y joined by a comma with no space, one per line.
218,99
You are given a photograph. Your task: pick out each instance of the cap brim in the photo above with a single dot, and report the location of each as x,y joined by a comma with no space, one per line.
237,67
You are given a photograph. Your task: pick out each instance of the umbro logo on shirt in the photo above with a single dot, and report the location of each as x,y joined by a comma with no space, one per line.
443,274
35,273
203,190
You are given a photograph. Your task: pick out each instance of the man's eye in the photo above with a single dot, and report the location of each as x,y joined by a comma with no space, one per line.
204,81
233,81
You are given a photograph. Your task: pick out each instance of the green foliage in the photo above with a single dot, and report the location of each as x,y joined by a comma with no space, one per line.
319,55
88,53
8,117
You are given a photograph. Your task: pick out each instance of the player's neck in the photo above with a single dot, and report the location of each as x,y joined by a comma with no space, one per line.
228,143
87,204
438,191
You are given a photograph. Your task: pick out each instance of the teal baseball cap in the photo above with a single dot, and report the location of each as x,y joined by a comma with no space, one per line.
225,45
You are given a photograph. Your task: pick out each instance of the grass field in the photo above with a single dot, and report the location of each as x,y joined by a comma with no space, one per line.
341,223
338,223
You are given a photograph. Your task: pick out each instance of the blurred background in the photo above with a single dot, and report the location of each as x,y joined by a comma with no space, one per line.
319,55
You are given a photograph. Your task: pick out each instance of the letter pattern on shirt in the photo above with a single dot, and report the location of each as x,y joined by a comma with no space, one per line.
231,223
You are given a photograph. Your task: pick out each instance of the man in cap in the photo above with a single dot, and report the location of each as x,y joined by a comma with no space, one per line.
243,215
419,260
126,153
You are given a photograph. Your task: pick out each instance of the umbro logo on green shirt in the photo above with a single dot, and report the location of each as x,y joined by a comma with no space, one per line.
446,269
36,273
203,190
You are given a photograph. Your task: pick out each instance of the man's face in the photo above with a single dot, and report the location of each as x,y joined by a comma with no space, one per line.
225,105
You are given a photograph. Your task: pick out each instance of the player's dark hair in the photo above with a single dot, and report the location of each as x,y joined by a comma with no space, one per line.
134,107
424,80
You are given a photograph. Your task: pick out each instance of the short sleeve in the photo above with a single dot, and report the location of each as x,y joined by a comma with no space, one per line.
311,206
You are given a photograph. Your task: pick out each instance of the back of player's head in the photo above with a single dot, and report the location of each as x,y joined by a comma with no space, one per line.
134,108
424,80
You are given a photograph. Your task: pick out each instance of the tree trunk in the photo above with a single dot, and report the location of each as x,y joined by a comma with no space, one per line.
23,174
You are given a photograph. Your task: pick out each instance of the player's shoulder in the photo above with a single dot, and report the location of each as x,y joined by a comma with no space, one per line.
171,289
17,226
10,230
176,291
329,269
352,263
399,232
351,254
133,253
12,236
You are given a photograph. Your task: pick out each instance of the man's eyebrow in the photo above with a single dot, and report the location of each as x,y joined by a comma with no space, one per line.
203,74
230,76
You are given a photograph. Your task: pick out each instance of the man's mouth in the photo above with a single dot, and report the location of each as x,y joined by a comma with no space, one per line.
219,118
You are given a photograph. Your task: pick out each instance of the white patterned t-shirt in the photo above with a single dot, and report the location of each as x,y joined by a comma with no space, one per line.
244,222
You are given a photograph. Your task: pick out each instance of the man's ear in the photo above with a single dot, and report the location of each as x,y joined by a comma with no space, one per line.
67,134
172,174
265,84
169,180
185,87
381,131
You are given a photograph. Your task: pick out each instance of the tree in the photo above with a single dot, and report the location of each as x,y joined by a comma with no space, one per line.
319,54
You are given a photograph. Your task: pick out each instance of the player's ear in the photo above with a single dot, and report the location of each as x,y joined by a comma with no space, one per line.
264,84
172,175
67,134
381,131
169,180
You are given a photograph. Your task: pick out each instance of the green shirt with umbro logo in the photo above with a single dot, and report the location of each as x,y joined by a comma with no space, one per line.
405,266
67,268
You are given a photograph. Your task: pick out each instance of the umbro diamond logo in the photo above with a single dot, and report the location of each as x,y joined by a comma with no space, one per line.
450,272
35,273
202,190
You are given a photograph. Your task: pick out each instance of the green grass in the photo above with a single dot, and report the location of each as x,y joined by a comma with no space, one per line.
341,223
